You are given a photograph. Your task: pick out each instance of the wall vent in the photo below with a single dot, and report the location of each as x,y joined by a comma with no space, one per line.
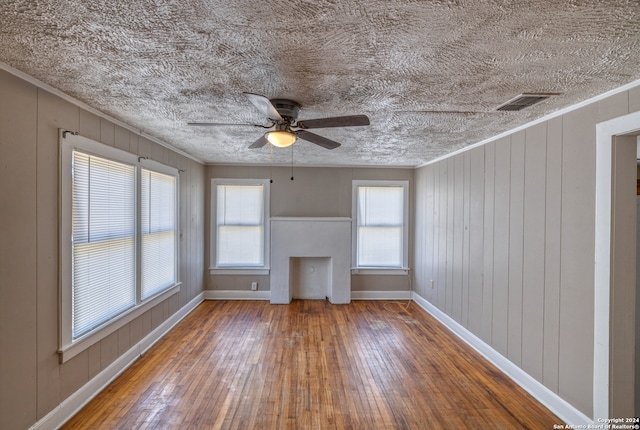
524,101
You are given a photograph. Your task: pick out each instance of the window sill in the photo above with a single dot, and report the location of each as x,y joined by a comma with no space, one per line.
239,271
379,270
69,351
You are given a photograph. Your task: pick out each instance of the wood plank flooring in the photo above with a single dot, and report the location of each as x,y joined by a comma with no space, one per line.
311,365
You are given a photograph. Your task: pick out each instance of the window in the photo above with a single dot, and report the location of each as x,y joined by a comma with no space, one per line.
158,232
240,215
103,241
380,227
119,257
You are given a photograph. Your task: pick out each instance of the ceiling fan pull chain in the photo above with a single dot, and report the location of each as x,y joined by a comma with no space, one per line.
292,162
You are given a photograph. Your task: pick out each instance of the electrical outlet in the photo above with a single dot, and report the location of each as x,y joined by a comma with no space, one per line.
432,284
254,286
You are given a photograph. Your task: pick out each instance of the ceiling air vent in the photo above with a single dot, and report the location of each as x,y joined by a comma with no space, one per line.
524,101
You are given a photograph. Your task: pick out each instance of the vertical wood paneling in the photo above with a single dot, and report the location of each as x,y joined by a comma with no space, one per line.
516,219
89,125
535,205
121,138
184,235
441,283
75,372
634,99
613,106
144,147
502,184
186,226
552,261
133,143
476,239
465,238
135,331
486,330
159,153
93,357
124,340
450,236
458,238
203,231
33,381
197,229
577,253
145,318
53,113
157,315
533,253
430,232
435,232
107,132
18,253
108,350
419,261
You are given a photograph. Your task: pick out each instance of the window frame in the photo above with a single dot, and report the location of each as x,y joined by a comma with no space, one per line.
214,269
379,270
68,346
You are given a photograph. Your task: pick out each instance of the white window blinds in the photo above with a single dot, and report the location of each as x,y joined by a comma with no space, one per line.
158,231
103,241
380,218
240,225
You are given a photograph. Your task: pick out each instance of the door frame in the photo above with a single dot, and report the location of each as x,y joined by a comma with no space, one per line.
609,343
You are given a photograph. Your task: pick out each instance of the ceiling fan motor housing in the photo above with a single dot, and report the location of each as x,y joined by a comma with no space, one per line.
286,108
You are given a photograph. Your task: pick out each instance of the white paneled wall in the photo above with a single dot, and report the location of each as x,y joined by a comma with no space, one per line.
33,382
505,244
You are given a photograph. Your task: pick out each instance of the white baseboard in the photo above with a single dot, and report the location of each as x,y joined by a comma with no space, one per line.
553,402
237,295
381,295
72,404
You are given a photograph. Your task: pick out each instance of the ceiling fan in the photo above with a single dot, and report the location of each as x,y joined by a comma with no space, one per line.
283,117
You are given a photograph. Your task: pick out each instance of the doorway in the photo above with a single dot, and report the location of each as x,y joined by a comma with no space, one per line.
615,267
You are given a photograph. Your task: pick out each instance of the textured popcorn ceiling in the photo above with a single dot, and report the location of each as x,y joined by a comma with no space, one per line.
429,74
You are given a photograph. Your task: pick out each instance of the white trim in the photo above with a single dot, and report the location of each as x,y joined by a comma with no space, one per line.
78,103
605,133
555,114
548,398
76,401
264,271
380,271
236,295
381,295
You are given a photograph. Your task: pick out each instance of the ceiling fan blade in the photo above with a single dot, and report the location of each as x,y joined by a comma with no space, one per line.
318,140
219,124
259,143
264,105
338,121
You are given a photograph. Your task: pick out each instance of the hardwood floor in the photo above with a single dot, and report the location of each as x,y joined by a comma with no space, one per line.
311,365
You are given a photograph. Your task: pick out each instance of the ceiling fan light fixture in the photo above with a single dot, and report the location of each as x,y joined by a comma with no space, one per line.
281,139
